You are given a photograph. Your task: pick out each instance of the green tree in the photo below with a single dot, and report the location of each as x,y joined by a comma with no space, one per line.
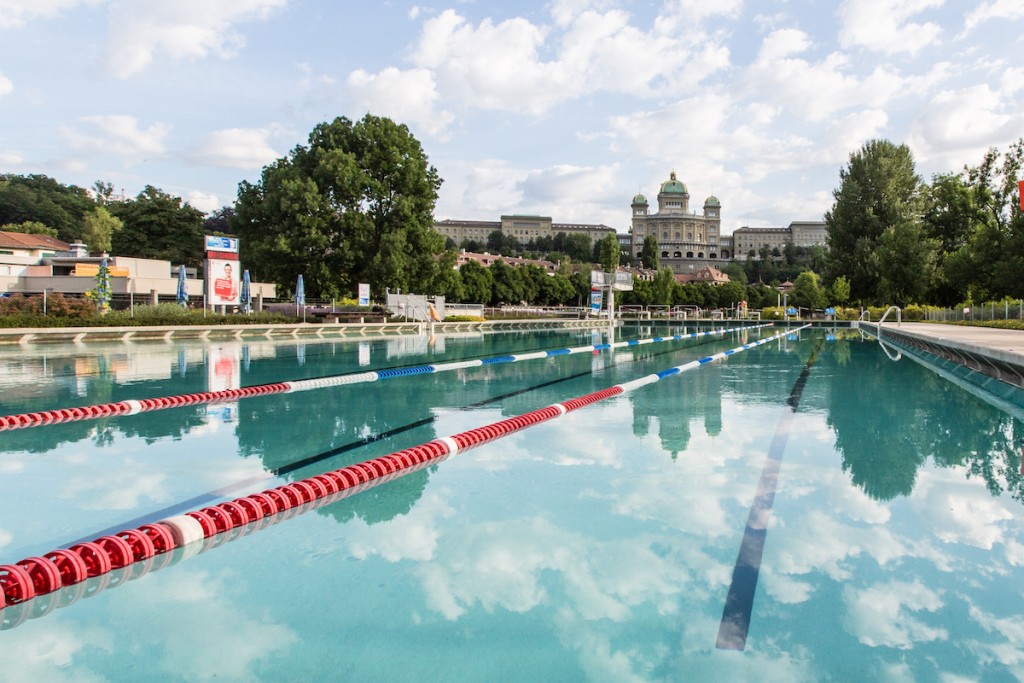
807,291
649,253
477,283
662,286
607,252
500,243
575,246
353,205
878,190
508,284
556,290
158,225
907,263
42,199
29,228
98,229
839,290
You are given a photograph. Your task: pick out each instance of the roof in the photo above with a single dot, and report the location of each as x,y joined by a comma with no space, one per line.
673,185
21,240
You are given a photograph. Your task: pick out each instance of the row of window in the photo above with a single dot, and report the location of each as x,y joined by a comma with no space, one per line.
689,254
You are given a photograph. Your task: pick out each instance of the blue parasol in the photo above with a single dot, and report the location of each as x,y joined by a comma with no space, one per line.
245,296
182,287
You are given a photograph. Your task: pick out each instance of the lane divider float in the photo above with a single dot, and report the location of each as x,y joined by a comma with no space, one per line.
135,406
36,576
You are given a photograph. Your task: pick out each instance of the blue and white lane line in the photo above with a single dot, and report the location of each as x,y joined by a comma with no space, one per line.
373,376
658,376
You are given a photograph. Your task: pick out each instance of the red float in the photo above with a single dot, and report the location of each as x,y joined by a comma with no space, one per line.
159,535
44,574
141,546
117,549
15,584
205,521
253,510
97,562
71,566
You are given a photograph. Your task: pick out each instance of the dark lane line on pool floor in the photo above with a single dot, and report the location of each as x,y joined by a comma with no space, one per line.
739,603
211,496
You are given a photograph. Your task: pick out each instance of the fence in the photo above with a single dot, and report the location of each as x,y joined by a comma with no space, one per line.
1002,310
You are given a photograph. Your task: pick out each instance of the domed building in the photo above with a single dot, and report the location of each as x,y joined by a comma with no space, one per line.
687,241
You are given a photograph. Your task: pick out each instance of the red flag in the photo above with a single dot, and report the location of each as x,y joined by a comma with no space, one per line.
1020,193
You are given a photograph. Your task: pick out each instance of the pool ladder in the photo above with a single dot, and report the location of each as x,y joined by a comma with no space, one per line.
899,323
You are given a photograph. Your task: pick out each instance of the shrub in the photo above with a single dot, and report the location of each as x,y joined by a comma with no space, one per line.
464,319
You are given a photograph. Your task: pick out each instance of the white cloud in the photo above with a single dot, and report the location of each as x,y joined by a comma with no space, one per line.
962,124
6,86
186,29
407,96
14,13
503,65
883,26
203,201
996,9
245,148
783,43
115,134
816,90
883,615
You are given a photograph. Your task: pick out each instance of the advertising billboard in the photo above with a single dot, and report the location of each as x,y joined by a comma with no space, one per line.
224,244
222,282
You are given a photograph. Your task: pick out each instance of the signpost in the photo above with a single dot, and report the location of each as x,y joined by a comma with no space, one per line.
222,271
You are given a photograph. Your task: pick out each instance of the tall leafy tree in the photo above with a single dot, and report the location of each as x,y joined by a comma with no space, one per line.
994,257
649,253
607,252
99,227
158,225
879,190
508,284
353,205
906,260
477,283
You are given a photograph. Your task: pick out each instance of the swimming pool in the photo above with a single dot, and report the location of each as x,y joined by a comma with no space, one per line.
804,510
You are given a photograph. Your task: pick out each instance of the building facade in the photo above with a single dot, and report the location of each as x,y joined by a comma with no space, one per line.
687,241
799,234
522,227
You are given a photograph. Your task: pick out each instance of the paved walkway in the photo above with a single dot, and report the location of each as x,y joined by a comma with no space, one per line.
1004,345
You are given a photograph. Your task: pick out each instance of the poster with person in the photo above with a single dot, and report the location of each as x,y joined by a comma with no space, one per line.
223,282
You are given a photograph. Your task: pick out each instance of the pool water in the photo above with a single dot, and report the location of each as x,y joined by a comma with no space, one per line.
805,510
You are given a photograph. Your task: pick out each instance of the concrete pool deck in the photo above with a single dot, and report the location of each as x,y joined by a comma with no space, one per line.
995,352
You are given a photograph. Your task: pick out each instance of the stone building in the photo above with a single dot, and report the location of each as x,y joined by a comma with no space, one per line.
799,233
687,241
522,227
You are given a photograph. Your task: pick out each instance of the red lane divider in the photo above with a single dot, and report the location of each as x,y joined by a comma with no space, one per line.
24,420
36,576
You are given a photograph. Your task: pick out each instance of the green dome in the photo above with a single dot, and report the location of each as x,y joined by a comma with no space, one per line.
712,201
673,186
639,199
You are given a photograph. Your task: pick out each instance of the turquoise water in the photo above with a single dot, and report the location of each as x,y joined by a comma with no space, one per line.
883,516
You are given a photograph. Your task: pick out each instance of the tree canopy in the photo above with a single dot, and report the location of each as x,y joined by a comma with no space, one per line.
353,205
878,191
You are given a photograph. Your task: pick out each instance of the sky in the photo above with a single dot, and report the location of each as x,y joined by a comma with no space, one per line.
564,109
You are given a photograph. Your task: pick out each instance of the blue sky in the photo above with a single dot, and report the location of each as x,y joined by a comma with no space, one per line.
564,108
